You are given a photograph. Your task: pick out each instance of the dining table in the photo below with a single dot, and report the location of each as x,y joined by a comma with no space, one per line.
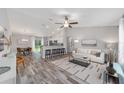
24,51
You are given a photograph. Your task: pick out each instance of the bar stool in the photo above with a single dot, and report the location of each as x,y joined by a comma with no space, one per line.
57,52
61,51
64,51
47,53
53,53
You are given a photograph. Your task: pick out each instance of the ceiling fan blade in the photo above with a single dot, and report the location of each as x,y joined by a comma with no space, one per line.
73,23
58,23
70,26
62,26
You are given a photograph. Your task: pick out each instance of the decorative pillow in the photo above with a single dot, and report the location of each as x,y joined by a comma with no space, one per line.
98,54
93,52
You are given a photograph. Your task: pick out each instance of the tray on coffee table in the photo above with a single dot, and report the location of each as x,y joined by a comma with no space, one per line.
82,62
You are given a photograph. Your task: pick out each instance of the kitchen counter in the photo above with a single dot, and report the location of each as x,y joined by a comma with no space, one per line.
8,77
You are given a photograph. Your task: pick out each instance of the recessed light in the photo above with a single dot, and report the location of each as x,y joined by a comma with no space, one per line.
47,26
58,29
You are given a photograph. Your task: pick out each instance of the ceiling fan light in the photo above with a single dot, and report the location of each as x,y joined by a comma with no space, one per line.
66,22
66,25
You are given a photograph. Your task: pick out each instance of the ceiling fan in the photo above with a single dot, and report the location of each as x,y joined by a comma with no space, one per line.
66,23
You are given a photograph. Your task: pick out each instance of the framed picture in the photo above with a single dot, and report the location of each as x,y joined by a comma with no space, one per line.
89,42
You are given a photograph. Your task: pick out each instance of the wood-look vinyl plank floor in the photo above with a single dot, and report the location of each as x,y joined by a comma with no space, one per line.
44,73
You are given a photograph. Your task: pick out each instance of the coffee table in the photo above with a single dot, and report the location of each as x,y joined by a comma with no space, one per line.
82,62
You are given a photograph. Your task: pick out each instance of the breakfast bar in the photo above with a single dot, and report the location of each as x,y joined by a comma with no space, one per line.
52,51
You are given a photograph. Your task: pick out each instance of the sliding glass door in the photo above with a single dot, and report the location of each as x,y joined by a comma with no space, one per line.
38,44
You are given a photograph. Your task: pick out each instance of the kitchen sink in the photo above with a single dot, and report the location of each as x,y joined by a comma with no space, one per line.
4,69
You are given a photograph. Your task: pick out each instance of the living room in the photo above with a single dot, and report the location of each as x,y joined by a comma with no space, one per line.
96,46
88,38
79,46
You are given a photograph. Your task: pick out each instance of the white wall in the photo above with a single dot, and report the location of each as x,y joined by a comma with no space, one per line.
17,41
58,36
61,36
101,34
4,22
4,18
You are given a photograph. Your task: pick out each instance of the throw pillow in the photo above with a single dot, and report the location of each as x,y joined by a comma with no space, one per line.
98,54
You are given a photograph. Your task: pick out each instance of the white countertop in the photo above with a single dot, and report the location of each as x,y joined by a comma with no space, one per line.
52,47
10,60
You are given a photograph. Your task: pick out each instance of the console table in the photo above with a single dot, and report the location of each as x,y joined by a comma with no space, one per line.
111,79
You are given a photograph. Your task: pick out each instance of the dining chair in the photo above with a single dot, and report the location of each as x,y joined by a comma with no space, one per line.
19,61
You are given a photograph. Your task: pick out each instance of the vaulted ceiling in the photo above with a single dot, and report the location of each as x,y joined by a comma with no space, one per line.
41,21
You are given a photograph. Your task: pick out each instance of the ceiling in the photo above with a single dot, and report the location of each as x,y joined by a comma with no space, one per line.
40,21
